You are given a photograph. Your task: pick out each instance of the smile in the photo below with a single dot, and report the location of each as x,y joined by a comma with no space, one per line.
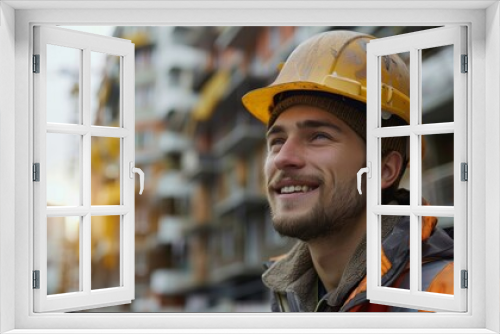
295,189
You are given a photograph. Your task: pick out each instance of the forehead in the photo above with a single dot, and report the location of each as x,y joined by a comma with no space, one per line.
295,115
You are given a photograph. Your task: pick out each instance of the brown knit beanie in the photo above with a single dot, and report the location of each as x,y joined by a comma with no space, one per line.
349,111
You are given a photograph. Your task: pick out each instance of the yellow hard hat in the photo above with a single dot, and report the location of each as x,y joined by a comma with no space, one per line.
335,62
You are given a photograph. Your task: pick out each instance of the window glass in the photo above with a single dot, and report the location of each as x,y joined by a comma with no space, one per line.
105,89
106,171
393,194
105,246
401,226
63,255
395,93
63,84
437,84
443,268
63,170
437,169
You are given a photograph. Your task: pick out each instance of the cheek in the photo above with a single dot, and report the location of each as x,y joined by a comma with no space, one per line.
268,167
361,156
354,156
343,166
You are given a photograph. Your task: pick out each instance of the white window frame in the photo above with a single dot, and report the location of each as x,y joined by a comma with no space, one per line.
413,43
483,20
86,297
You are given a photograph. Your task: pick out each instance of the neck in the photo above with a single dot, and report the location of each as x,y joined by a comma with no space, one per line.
331,254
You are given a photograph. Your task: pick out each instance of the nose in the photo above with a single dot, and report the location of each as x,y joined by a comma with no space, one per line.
290,156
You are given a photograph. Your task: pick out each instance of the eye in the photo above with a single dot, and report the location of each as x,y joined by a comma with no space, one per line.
274,143
321,136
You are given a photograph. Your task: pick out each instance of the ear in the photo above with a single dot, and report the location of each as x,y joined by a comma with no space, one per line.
391,167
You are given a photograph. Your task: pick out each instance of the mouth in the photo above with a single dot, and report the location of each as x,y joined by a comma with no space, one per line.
288,187
292,189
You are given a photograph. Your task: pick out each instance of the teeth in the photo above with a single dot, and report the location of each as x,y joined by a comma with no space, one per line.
292,189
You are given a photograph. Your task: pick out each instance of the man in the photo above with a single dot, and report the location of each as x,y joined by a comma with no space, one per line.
315,112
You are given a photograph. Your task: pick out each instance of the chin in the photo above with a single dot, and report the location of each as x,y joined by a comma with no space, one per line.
293,215
291,221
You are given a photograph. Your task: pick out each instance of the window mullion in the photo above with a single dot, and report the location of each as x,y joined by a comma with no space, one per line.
86,149
86,252
96,210
415,179
415,102
85,242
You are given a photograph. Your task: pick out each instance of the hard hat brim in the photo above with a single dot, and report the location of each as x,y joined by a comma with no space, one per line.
260,102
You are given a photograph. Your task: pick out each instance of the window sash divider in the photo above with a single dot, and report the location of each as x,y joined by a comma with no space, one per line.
109,210
70,129
435,211
415,103
421,130
104,131
434,129
82,130
63,211
393,131
96,210
392,210
418,210
86,256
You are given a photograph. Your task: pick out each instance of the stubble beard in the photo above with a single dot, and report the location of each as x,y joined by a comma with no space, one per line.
325,217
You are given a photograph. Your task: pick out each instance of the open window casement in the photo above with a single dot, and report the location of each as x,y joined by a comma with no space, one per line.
426,85
83,170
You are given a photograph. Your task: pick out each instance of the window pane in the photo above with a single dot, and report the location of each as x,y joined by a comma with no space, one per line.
63,169
63,254
395,92
63,84
105,245
395,234
105,171
391,195
437,85
440,245
105,89
437,169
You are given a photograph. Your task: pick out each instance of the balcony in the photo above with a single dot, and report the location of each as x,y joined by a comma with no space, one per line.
240,199
173,185
172,143
242,139
198,166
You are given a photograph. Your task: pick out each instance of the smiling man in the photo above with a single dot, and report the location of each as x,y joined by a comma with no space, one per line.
315,112
312,191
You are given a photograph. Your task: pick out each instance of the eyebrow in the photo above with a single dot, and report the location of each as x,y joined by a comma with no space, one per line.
305,124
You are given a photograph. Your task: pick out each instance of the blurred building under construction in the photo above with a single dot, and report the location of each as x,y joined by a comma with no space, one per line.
203,228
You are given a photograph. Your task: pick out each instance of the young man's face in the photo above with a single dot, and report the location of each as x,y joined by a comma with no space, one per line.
311,167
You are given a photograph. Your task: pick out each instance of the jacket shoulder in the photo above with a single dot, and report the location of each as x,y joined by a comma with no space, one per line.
442,281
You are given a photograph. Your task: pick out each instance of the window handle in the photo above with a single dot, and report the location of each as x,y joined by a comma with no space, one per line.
368,171
133,170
